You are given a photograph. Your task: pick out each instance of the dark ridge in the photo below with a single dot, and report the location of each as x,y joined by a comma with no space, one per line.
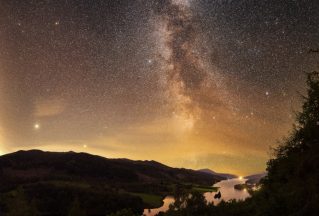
223,175
33,165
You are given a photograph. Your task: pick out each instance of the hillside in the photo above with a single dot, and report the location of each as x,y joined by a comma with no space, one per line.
222,175
255,178
70,177
35,164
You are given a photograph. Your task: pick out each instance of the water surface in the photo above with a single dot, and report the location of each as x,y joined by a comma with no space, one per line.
167,201
226,188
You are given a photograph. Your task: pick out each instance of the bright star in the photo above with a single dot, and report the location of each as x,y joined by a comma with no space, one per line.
36,126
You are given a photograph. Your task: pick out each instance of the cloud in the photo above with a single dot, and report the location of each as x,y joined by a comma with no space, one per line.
49,107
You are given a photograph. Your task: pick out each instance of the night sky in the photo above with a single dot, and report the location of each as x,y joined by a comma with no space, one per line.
189,83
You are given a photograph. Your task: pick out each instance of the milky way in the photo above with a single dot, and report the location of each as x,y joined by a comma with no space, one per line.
188,83
187,79
185,76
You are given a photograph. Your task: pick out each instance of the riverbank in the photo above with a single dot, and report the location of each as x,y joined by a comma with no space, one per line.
153,201
225,187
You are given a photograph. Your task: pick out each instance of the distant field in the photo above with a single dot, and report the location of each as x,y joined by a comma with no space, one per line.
152,200
155,201
67,183
204,189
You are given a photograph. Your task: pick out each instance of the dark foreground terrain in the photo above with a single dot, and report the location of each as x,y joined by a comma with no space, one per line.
55,183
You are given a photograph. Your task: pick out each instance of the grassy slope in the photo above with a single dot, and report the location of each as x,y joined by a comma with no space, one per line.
156,201
204,189
151,200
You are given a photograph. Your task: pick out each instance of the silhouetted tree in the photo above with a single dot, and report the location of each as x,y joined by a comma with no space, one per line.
292,184
291,187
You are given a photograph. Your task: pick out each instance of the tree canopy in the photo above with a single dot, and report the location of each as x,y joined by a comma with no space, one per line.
291,187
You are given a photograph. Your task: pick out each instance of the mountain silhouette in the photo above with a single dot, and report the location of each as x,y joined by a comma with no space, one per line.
98,185
223,175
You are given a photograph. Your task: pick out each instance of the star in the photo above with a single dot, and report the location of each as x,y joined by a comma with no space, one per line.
175,67
36,126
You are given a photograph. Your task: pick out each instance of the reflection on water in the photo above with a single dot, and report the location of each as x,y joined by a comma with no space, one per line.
167,201
226,189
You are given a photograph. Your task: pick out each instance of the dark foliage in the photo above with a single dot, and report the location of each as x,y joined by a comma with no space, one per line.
292,184
291,187
48,199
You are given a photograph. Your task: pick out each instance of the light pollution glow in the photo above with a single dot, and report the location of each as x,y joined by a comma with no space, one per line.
190,84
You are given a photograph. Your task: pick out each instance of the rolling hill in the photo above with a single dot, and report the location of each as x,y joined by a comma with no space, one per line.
254,179
222,175
35,164
49,179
